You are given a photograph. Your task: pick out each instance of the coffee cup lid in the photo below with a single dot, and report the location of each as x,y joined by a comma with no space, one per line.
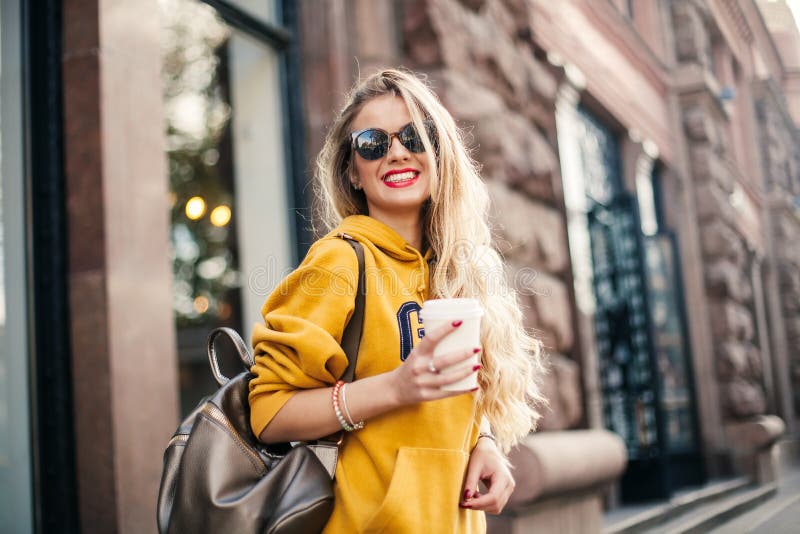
459,308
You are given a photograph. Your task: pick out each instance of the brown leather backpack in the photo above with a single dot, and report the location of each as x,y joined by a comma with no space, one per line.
218,477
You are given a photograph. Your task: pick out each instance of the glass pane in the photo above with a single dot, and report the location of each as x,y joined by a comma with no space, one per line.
231,233
266,10
621,326
670,342
263,194
600,153
16,502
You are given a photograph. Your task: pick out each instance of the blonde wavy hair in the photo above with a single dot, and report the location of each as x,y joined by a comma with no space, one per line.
455,226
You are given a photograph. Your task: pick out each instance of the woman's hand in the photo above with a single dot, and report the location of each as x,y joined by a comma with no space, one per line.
419,378
487,465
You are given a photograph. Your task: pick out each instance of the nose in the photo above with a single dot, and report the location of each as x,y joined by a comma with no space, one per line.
397,151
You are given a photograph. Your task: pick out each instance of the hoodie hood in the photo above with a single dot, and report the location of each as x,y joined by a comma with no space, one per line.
366,230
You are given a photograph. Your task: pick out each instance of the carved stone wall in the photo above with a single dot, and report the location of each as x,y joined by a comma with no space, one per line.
786,225
780,152
481,60
724,249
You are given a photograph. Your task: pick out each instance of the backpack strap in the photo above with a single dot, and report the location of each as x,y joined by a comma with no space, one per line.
327,449
351,338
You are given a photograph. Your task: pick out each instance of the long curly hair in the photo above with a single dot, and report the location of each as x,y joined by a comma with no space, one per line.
455,226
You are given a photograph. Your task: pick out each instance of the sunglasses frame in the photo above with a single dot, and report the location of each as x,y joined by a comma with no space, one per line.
391,135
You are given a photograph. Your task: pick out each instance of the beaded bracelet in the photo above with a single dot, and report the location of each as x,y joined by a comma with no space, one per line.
336,409
356,426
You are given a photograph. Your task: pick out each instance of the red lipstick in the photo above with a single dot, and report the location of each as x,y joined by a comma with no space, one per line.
401,178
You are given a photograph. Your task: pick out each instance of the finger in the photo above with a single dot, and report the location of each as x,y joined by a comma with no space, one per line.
471,481
453,375
444,378
499,490
447,362
493,501
454,358
433,337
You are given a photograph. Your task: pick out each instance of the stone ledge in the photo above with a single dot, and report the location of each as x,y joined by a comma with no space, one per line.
753,446
552,463
754,434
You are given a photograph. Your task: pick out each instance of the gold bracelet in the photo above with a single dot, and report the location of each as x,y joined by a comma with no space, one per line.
353,424
486,435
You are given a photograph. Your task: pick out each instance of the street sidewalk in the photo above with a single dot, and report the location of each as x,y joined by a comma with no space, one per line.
778,515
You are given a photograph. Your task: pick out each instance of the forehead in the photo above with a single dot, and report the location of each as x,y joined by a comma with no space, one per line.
387,112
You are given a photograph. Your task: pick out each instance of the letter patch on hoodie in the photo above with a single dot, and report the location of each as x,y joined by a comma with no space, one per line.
410,324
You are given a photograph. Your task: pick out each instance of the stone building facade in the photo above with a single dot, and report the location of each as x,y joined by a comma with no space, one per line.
778,115
642,160
688,107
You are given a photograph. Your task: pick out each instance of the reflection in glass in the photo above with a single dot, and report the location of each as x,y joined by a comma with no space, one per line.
231,235
16,488
600,159
5,430
621,325
670,342
197,112
264,10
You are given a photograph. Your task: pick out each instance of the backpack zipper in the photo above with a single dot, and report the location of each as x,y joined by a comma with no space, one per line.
216,414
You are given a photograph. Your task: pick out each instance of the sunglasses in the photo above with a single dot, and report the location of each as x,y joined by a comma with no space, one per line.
374,143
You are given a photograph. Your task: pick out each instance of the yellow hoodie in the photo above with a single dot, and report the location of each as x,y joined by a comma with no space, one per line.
404,471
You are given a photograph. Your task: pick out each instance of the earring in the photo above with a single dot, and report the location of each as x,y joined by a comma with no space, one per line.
356,185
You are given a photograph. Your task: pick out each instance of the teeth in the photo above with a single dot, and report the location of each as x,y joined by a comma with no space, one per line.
400,177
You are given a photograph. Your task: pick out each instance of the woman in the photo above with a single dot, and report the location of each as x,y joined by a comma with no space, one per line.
395,175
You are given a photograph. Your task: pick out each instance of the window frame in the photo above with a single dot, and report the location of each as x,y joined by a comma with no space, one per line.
55,492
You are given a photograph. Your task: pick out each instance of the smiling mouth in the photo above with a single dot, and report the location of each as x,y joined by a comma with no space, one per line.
401,179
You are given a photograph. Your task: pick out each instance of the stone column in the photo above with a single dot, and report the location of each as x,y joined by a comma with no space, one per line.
728,290
723,253
756,261
678,183
780,139
123,341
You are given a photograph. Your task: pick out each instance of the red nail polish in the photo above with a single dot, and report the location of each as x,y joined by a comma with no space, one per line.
476,350
457,323
466,494
474,389
476,367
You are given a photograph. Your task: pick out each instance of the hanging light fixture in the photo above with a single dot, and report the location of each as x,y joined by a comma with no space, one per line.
195,208
221,215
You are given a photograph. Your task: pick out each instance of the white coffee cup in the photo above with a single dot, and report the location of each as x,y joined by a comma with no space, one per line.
437,312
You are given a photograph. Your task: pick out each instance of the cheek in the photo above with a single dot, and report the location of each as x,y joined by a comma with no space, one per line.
422,162
365,169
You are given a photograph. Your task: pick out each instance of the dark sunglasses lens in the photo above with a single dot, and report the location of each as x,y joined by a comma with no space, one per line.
408,136
371,144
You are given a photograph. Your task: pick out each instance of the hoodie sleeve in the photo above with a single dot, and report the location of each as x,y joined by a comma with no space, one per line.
298,345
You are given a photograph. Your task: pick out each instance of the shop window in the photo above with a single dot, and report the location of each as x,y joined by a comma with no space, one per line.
231,200
16,501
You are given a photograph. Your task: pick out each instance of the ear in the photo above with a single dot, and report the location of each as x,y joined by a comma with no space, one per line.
354,179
